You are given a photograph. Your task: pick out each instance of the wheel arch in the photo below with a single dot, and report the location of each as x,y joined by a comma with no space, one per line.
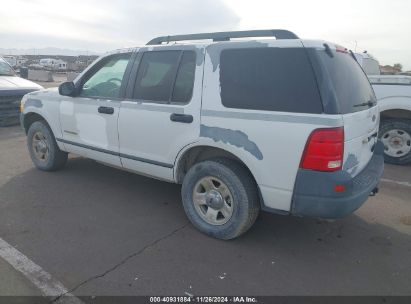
399,113
31,117
195,153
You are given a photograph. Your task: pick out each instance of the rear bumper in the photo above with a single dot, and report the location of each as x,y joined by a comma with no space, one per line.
314,194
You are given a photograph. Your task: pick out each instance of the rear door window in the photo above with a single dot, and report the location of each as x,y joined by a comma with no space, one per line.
183,87
272,79
165,76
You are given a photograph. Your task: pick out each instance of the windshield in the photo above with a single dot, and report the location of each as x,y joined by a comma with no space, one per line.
371,66
350,85
5,68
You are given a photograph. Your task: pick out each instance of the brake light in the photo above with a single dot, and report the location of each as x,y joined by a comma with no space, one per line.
341,49
324,150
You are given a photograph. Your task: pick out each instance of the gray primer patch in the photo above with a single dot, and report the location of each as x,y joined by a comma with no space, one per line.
350,163
314,120
214,50
33,103
232,137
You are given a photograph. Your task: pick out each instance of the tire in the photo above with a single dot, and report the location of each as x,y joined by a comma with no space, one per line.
41,141
400,130
241,199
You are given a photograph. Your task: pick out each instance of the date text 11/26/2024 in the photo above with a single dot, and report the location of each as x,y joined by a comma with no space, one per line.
199,299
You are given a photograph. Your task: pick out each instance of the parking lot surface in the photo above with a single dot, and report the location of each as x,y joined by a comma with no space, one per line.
102,231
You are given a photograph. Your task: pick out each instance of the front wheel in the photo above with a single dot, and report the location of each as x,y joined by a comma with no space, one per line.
220,198
43,148
395,134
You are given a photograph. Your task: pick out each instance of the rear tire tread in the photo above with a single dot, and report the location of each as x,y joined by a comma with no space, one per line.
240,178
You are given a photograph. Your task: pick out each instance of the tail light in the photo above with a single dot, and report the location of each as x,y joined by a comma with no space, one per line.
324,150
341,49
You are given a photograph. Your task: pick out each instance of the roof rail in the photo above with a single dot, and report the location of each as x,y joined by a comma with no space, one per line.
225,36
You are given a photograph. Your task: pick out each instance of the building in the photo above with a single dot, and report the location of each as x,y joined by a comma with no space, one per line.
389,70
53,64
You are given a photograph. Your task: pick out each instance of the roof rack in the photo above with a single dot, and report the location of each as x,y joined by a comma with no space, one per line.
225,36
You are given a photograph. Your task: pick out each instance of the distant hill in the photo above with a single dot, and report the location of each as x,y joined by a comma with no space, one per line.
46,51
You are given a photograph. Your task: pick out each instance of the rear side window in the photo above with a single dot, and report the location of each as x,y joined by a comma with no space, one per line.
165,76
351,86
272,79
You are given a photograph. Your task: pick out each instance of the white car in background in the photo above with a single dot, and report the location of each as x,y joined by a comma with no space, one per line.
394,99
12,90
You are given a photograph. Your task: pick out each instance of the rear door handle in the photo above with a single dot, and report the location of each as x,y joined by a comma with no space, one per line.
106,110
184,118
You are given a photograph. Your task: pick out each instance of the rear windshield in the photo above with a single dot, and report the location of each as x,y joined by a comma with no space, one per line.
352,90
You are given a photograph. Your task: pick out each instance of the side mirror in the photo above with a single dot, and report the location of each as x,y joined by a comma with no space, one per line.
67,89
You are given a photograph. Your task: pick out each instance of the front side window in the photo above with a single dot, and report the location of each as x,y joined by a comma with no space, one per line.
165,76
106,81
371,66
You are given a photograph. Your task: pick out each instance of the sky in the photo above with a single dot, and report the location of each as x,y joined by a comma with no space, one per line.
382,27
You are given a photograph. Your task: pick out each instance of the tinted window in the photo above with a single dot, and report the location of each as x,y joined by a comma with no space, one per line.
273,79
106,81
351,86
163,74
371,66
183,87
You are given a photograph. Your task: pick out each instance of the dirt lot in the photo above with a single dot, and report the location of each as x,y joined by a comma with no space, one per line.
101,231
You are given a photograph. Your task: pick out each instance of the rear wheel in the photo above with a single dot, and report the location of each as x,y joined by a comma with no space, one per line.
395,134
220,198
43,148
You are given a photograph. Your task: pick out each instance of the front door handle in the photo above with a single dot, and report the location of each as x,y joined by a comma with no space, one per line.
106,110
184,118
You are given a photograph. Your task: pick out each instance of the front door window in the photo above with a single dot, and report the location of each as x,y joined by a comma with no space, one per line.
106,81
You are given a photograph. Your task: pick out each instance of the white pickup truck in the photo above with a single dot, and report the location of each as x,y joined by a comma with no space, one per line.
394,99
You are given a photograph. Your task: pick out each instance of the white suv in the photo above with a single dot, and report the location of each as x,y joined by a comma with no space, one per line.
283,125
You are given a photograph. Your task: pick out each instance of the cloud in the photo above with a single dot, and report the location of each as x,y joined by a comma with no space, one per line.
104,24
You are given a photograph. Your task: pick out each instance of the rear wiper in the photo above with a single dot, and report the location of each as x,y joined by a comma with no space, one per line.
368,103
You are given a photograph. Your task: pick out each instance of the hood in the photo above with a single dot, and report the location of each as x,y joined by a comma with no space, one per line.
13,82
390,79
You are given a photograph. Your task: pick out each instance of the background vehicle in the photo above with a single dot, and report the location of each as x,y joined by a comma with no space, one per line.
394,99
242,125
12,90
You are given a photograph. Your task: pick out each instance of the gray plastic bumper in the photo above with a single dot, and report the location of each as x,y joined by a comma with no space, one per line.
314,194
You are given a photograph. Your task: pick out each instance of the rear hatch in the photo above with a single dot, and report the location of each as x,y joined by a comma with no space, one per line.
347,91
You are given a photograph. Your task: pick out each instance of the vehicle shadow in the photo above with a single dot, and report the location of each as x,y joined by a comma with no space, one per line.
89,219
